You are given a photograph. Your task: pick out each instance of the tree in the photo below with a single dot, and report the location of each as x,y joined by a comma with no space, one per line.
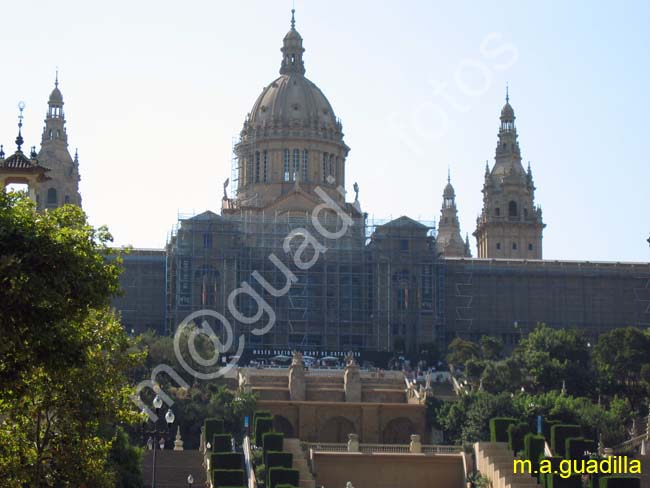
461,351
491,348
53,273
63,352
619,357
202,399
499,376
551,356
467,420
126,461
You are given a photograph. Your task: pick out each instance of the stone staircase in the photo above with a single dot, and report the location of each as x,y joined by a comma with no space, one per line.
172,468
494,460
300,463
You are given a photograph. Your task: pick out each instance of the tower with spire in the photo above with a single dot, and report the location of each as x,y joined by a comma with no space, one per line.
510,225
63,186
449,242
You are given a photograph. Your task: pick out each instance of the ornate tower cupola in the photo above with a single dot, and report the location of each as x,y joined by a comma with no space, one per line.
449,242
63,186
292,50
54,129
510,225
18,168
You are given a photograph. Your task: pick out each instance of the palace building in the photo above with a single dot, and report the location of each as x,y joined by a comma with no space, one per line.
290,248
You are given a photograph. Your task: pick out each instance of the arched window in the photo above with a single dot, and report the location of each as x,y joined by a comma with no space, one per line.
497,211
51,197
266,164
332,169
287,162
305,165
296,164
512,209
257,167
324,167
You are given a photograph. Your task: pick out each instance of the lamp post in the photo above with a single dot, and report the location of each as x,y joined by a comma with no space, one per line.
190,480
157,433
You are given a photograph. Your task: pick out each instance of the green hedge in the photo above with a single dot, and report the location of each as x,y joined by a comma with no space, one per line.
516,434
277,459
545,479
556,481
211,427
534,448
260,414
282,476
546,428
262,426
222,478
272,441
619,482
575,447
499,428
284,486
226,460
560,433
221,443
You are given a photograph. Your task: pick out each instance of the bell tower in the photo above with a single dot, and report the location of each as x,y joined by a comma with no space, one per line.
63,186
449,242
510,225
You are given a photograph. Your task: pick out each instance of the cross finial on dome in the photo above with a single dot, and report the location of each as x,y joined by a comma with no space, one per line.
293,19
507,94
56,78
448,174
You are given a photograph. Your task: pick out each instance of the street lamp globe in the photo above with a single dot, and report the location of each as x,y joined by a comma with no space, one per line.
157,402
190,479
169,417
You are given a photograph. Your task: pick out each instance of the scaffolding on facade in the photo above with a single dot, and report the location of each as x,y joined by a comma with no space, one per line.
508,298
332,305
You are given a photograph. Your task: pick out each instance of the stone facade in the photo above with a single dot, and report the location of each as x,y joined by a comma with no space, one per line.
384,470
387,423
63,184
389,287
510,225
449,242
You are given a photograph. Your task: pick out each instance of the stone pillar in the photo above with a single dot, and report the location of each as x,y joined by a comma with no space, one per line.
297,383
353,443
416,444
178,443
352,382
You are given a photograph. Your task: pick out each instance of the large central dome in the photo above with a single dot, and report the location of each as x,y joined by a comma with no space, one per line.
292,101
291,143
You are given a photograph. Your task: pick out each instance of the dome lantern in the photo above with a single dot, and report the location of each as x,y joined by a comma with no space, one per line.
292,51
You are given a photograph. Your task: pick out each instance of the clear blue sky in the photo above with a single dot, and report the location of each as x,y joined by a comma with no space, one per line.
156,91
